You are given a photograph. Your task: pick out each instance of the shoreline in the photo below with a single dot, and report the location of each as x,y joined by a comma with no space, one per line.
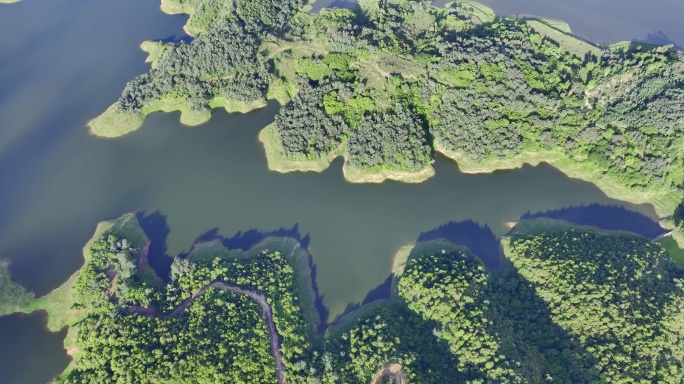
664,202
283,164
114,123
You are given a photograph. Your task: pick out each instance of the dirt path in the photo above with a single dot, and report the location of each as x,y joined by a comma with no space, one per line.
375,66
259,298
390,370
661,236
285,48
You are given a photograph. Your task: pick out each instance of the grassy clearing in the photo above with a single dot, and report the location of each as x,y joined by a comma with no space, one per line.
173,7
481,11
154,49
115,123
568,42
236,106
281,90
631,46
670,245
14,297
286,246
557,24
8,1
281,163
663,201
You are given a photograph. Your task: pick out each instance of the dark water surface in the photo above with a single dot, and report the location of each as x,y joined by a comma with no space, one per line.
62,62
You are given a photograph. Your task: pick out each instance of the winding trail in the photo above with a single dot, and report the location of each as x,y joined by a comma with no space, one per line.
259,298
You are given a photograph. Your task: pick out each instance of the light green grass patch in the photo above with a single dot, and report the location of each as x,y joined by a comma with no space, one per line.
207,251
359,175
115,123
236,106
14,297
557,24
482,12
676,253
397,65
632,46
155,50
568,42
281,90
8,1
188,116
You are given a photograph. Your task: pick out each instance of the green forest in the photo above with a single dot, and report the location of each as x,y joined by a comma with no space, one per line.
389,83
571,304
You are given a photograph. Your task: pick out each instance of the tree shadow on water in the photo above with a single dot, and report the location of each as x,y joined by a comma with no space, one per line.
176,39
660,38
157,230
608,217
479,239
245,240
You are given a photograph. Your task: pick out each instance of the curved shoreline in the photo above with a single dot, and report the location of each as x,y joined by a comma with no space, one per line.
259,298
664,202
283,164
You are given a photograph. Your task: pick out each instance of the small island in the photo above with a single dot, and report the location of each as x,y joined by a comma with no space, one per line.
571,303
391,82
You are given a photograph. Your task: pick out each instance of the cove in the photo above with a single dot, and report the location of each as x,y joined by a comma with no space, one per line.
56,182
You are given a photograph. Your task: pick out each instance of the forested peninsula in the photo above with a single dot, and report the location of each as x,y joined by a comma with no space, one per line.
387,84
570,304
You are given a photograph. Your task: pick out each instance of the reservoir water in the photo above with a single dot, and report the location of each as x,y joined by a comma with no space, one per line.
63,62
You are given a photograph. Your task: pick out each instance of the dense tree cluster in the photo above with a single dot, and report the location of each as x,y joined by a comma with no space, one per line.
616,294
305,128
575,306
219,63
485,91
270,16
571,305
111,256
389,335
396,139
449,289
221,338
269,274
